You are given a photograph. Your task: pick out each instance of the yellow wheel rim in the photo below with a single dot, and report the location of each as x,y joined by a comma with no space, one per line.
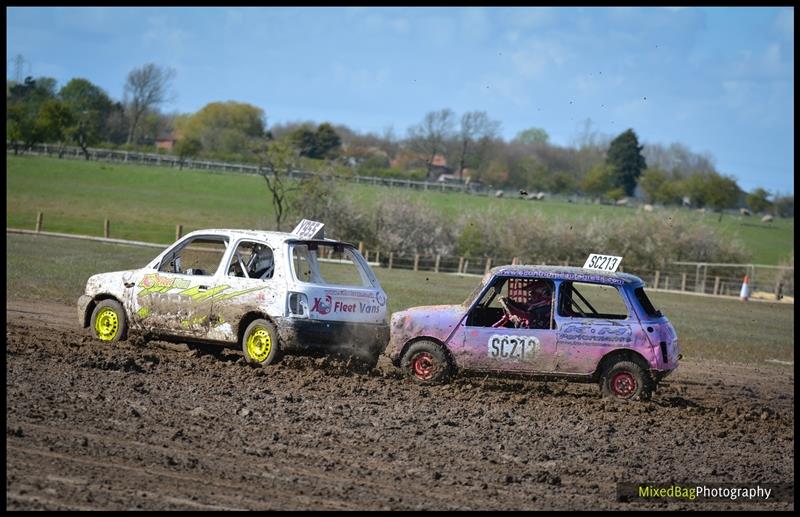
106,325
259,344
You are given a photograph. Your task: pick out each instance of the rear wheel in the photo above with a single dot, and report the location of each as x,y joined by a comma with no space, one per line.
260,343
626,380
109,322
426,363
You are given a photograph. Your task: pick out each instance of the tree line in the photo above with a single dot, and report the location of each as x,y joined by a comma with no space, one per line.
443,145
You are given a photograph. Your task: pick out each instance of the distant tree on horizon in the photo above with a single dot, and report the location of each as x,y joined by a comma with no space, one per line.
625,155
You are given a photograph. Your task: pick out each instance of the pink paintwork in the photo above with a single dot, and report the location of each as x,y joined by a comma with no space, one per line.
579,342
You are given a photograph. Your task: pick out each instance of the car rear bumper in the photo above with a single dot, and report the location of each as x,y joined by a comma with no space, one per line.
303,334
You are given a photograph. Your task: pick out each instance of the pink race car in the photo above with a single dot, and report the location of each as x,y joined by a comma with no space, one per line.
575,323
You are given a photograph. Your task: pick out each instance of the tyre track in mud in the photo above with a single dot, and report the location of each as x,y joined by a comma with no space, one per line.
153,425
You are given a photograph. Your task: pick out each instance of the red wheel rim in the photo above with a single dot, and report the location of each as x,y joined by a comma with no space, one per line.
423,364
623,384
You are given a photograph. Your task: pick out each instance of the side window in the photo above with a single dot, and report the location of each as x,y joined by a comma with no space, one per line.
328,264
199,256
252,260
582,300
515,303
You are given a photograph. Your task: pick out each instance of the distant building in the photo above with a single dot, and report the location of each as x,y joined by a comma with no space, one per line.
438,167
166,142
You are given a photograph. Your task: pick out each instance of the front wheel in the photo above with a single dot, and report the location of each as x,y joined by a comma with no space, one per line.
426,363
626,380
260,343
109,322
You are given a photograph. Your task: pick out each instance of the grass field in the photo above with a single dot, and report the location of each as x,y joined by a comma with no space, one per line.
56,269
145,203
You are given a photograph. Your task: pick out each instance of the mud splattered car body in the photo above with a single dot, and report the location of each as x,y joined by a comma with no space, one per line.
212,284
588,322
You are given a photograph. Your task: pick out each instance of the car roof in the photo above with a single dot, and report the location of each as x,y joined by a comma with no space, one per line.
273,238
568,273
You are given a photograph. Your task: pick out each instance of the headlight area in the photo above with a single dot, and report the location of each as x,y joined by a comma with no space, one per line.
298,305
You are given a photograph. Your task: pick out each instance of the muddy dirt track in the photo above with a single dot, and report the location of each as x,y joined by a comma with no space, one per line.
151,425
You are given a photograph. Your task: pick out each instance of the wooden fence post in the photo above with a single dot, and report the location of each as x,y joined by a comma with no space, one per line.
466,266
716,285
666,283
39,218
378,257
488,265
416,262
705,274
655,281
460,264
683,281
366,255
778,290
361,247
105,228
178,231
436,265
391,258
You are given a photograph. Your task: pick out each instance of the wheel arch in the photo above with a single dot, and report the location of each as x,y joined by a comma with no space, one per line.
249,318
87,314
450,359
620,354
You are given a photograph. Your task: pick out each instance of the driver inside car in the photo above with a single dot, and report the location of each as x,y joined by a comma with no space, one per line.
533,313
262,263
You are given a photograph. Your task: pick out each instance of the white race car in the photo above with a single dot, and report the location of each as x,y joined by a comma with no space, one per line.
267,291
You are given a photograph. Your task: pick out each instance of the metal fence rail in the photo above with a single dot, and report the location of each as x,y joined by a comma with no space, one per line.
689,277
165,160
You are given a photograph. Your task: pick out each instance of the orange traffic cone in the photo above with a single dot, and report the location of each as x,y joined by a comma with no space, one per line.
744,294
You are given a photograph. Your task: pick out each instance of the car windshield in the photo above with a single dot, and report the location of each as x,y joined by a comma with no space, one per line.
474,294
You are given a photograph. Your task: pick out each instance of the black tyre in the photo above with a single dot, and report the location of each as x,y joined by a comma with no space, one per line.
426,363
260,343
626,380
109,322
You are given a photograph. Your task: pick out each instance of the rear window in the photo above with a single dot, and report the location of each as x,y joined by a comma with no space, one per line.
325,264
584,300
645,302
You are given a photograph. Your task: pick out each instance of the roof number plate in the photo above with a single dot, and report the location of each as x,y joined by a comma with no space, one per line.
307,229
602,262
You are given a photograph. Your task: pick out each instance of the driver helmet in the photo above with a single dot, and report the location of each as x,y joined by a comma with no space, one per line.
264,259
539,292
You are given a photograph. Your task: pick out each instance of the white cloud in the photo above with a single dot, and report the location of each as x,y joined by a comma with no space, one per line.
538,57
360,78
766,64
511,89
165,37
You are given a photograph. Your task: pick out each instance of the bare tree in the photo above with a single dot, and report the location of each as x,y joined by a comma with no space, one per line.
430,135
146,88
475,126
276,161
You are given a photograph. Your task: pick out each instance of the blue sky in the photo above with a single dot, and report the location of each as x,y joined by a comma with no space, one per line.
718,80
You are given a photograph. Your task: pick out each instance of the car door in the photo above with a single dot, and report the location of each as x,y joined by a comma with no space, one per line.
506,348
250,281
175,298
593,319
